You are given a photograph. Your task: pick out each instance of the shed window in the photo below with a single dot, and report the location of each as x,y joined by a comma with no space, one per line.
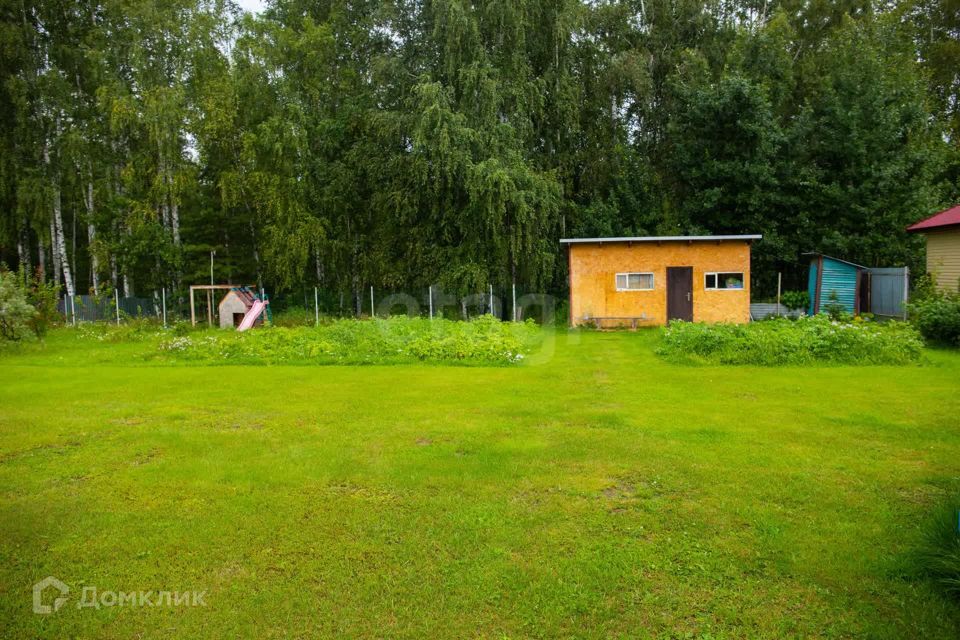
726,280
634,281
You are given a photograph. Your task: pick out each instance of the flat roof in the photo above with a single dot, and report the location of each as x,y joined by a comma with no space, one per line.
823,255
661,239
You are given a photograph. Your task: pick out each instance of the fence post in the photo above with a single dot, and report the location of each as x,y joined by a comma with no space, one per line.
193,315
163,295
116,301
316,306
513,308
906,291
779,281
491,299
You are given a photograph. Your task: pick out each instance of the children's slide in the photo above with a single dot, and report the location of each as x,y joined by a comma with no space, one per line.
252,315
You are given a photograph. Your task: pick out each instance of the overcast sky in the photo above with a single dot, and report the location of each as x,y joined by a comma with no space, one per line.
251,5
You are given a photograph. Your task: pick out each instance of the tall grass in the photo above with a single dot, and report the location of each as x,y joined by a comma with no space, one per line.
808,340
939,555
484,340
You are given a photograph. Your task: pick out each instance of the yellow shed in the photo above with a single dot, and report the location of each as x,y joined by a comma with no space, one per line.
652,280
942,232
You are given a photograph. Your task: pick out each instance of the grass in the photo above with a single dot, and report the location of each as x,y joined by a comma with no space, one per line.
592,491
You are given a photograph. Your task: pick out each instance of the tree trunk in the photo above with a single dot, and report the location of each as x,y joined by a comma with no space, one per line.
20,257
256,252
164,191
73,244
55,254
58,244
175,221
127,279
23,246
91,236
61,243
171,210
41,258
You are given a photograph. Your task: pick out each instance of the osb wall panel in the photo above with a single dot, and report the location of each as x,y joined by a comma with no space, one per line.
593,269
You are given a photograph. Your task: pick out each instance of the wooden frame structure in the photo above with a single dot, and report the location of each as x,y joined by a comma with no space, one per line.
210,288
675,284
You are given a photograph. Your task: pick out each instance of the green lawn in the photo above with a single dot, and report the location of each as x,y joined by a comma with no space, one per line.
592,492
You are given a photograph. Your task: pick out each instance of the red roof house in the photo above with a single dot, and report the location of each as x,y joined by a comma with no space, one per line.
948,218
942,232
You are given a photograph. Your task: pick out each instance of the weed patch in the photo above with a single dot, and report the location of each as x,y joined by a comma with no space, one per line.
809,340
485,340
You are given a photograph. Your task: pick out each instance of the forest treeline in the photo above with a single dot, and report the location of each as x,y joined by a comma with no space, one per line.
401,143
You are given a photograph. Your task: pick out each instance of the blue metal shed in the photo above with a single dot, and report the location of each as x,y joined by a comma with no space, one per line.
829,276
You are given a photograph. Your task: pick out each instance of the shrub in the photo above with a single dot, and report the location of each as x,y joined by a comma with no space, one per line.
294,317
398,339
835,309
42,296
937,317
182,327
795,299
939,555
780,341
15,311
925,287
132,330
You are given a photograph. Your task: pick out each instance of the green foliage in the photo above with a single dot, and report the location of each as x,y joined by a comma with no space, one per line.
43,296
130,330
808,340
294,316
795,299
925,288
834,309
15,311
938,557
937,317
398,339
183,328
402,144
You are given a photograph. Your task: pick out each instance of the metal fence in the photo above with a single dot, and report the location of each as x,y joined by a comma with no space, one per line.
764,310
503,301
500,301
91,309
889,289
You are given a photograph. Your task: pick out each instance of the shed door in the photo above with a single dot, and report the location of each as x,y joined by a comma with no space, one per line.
680,293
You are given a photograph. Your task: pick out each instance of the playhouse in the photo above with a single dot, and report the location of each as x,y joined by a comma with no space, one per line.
236,305
241,308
